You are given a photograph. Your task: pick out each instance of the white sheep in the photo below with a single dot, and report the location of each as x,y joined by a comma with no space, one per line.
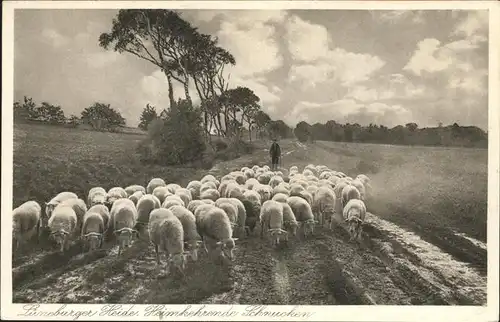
233,190
264,191
122,222
185,195
250,183
338,193
130,190
172,187
224,185
255,168
214,227
324,204
271,219
207,186
192,239
202,209
280,197
303,213
96,196
161,193
290,223
103,211
26,221
240,227
167,204
275,181
280,190
79,207
136,196
62,225
354,215
153,183
208,178
145,206
193,204
361,188
93,229
208,201
167,234
349,192
249,173
177,198
49,206
264,178
231,212
194,187
211,194
239,177
114,194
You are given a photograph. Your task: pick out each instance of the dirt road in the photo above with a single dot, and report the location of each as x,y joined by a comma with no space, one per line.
391,266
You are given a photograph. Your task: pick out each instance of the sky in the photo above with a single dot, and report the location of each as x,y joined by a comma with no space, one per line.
356,66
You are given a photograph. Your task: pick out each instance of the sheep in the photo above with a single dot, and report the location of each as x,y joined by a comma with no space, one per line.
349,192
227,177
172,187
26,221
92,230
290,223
103,211
307,173
366,182
96,195
303,213
338,193
167,204
280,190
275,181
354,214
252,203
192,239
207,186
184,194
324,204
312,190
166,233
280,197
130,190
194,187
224,185
193,204
264,191
161,193
114,194
333,180
176,197
122,221
233,190
296,189
271,218
214,225
239,177
264,178
278,173
208,201
79,207
202,209
250,183
208,178
62,225
145,206
136,196
361,188
293,168
255,168
211,194
231,211
325,175
49,206
153,183
249,173
241,213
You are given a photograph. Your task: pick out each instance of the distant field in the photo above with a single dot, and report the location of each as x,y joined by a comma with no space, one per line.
434,192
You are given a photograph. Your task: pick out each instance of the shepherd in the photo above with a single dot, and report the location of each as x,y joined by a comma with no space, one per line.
275,152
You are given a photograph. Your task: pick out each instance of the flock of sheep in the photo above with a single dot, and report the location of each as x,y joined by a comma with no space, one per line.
210,212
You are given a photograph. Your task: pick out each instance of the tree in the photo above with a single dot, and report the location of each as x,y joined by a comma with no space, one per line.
148,114
51,114
158,36
73,120
239,105
261,121
102,117
177,139
412,127
302,131
25,111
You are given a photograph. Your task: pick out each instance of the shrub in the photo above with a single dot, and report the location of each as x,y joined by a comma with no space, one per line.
177,139
219,144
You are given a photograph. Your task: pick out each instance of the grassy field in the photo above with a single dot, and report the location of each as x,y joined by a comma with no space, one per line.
434,192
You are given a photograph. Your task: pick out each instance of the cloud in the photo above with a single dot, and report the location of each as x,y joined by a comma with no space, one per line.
474,27
348,110
55,38
306,41
428,57
398,16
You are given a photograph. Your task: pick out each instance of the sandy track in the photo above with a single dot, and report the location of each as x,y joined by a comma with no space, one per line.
391,266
